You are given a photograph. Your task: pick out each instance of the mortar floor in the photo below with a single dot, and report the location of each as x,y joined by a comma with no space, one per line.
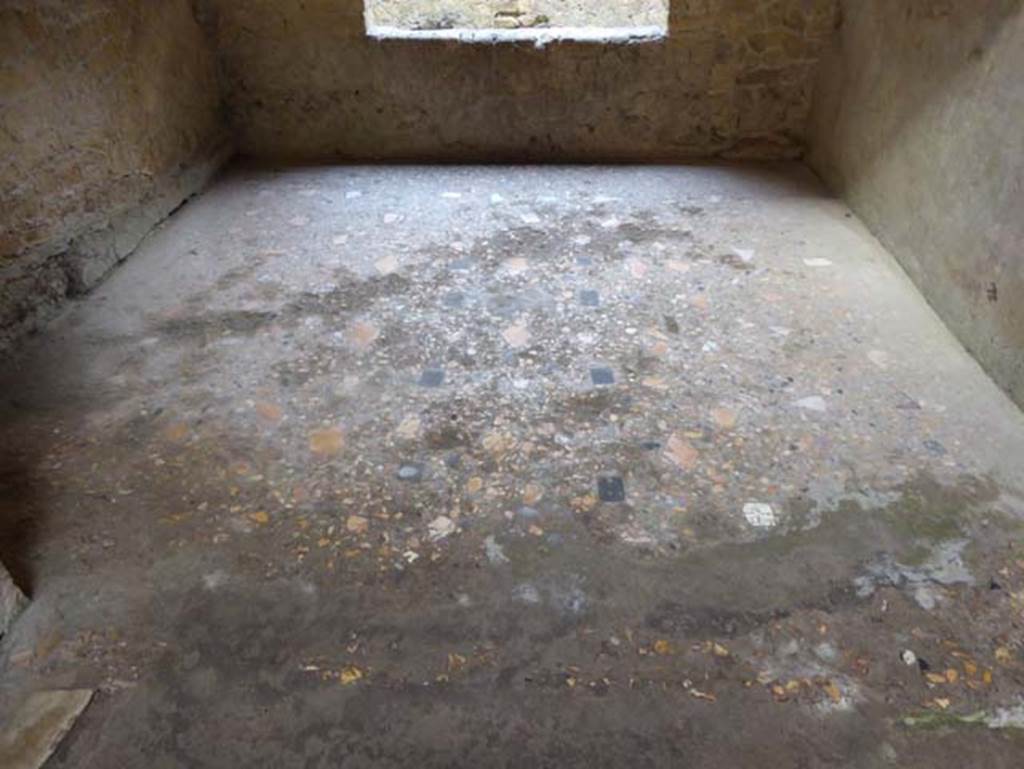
496,466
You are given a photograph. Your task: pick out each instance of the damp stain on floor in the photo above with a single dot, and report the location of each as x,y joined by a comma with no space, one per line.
546,466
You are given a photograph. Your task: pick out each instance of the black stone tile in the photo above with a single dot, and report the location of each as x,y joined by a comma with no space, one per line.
611,489
602,376
590,298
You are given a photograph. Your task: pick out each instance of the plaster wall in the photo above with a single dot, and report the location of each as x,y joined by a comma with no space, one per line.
110,116
305,82
919,123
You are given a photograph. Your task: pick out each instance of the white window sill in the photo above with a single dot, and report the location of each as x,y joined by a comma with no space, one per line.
539,36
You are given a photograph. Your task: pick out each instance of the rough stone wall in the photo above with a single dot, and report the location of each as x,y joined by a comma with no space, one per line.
110,116
919,123
732,78
12,601
484,14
